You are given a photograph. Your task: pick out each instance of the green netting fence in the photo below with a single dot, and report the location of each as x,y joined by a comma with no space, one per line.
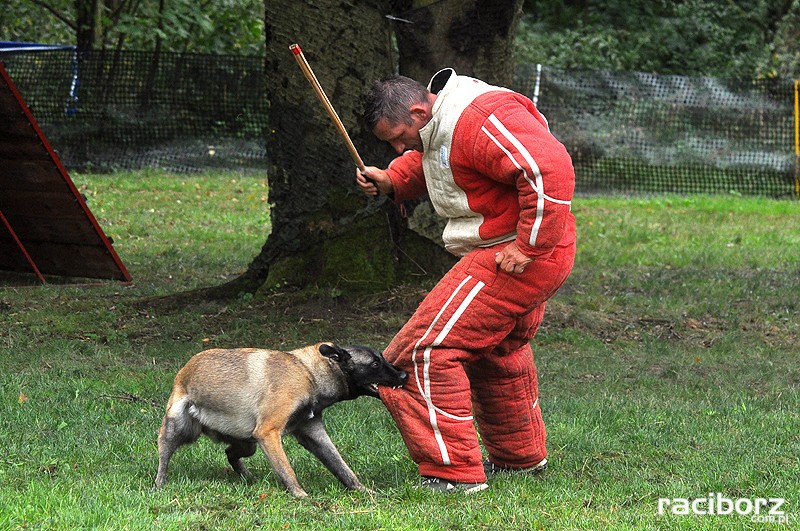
627,132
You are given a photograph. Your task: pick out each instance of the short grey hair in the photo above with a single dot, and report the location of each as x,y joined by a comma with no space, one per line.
391,98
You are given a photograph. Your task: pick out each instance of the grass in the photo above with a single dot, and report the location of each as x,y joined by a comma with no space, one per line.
668,368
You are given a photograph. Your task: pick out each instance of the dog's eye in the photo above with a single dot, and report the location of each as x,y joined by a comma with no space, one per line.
375,364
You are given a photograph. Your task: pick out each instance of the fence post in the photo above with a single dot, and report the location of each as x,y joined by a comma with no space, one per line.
536,87
796,140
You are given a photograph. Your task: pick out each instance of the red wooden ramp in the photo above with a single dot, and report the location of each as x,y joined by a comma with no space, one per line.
45,226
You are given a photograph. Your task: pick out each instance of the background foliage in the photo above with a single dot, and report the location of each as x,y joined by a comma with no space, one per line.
205,26
733,38
757,38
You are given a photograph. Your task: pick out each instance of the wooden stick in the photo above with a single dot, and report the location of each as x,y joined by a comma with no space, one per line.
306,68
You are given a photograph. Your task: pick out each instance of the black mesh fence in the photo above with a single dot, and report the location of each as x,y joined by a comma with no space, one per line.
627,132
635,132
106,111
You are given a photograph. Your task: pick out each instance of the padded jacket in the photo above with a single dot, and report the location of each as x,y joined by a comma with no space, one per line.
491,167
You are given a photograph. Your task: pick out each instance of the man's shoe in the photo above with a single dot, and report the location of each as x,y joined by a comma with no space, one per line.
447,486
491,468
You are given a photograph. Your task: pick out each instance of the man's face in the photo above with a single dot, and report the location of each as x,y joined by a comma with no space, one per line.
402,137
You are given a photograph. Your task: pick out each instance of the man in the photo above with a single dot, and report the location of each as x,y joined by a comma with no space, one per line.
489,164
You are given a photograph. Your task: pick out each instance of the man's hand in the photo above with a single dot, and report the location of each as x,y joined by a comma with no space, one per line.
376,181
511,260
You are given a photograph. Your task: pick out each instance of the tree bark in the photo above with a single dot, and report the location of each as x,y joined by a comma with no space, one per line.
474,37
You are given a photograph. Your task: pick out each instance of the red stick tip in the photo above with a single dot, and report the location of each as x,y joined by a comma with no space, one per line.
295,48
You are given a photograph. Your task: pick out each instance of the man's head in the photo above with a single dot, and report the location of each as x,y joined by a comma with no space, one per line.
396,109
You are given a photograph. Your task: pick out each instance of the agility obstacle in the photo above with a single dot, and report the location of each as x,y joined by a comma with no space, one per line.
46,228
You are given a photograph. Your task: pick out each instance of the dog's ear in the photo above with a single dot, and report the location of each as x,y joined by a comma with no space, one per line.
337,354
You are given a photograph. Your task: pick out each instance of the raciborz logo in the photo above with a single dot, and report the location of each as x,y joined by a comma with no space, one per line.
764,510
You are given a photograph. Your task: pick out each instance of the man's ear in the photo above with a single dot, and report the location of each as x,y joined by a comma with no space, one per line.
421,111
333,352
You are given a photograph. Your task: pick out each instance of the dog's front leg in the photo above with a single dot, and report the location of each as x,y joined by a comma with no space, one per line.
270,441
313,437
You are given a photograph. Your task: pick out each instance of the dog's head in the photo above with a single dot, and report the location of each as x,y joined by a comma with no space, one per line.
364,368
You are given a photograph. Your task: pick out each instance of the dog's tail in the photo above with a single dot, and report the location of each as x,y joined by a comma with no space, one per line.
179,428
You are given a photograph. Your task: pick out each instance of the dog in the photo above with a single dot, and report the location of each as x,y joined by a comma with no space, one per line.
249,397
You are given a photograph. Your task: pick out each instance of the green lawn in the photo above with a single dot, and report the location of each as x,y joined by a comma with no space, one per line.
669,367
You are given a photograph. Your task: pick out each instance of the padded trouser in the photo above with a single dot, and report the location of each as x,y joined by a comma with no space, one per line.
469,341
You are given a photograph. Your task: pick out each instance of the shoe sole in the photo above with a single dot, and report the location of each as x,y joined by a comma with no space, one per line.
473,490
457,488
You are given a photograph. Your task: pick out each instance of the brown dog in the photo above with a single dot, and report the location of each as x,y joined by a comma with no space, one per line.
249,397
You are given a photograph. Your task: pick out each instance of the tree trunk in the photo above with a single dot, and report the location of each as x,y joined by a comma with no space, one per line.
88,24
325,232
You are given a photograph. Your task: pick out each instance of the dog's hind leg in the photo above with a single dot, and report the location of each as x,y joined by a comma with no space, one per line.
236,451
177,429
269,438
313,437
